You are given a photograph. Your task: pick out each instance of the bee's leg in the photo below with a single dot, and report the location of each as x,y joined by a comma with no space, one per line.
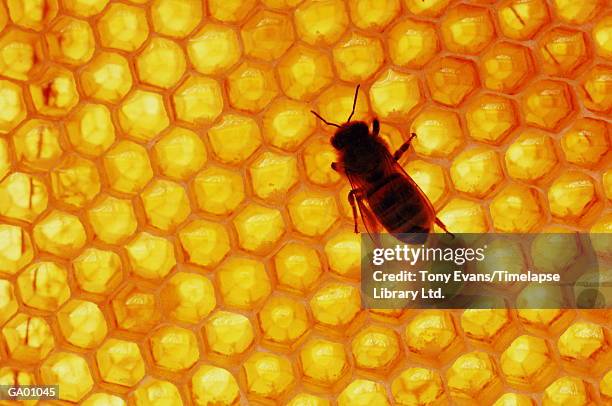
375,127
400,151
443,227
353,203
337,166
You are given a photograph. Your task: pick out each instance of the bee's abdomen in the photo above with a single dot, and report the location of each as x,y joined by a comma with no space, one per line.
398,206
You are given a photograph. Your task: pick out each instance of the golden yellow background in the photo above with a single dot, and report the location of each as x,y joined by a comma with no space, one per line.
171,231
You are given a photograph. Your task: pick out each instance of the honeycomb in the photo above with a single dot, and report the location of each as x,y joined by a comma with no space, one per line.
171,232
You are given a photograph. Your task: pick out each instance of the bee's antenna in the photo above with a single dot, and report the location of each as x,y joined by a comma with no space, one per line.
324,120
354,103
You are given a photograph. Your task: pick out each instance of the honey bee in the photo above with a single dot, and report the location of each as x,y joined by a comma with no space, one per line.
385,195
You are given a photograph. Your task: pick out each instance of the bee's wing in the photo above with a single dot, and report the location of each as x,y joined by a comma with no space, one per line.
399,169
373,227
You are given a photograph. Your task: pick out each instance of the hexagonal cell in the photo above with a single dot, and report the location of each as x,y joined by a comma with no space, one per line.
583,344
527,363
418,386
21,54
123,27
577,13
28,339
267,375
304,72
44,286
213,49
155,392
174,348
516,209
505,67
22,197
71,41
151,257
75,181
463,216
107,77
15,249
180,153
438,132
230,11
267,35
82,324
318,156
476,171
335,305
336,104
546,104
37,144
431,336
515,399
60,234
375,348
520,20
485,325
606,386
600,34
357,57
343,252
204,243
84,8
586,143
188,297
473,378
426,8
395,95
5,160
120,362
97,271
303,399
90,129
312,213
297,267
563,51
127,167
33,14
571,196
596,88
134,310
607,183
112,220
283,321
567,390
228,334
490,118
374,18
211,384
451,79
243,283
430,179
323,362
363,392
165,203
321,22
15,376
259,228
218,190
412,43
287,123
531,156
55,94
251,87
273,175
161,63
176,18
198,101
234,138
76,383
467,29
12,106
143,115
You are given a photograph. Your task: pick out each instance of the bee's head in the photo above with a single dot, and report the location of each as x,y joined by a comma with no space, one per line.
349,133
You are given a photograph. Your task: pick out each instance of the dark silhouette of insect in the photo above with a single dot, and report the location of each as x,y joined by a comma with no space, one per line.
385,194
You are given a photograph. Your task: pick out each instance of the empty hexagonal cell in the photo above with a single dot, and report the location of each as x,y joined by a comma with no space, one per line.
22,196
5,163
505,67
567,390
75,181
297,267
283,321
321,22
318,156
554,250
37,144
21,54
527,363
586,142
211,384
104,398
204,243
127,166
267,35
571,196
323,362
375,348
308,399
82,323
60,234
97,271
412,43
394,95
174,348
75,384
563,51
251,87
304,72
287,123
198,100
596,88
584,345
228,334
366,17
438,132
429,8
431,336
85,8
135,310
490,118
120,362
176,18
16,376
12,105
516,399
151,257
335,305
273,175
15,248
180,153
467,29
267,375
520,20
33,14
606,386
485,325
71,41
601,33
336,104
123,27
363,391
218,190
476,171
312,213
473,378
418,385
214,48
531,156
463,216
451,79
157,392
44,286
259,228
234,138
107,77
516,208
230,10
243,283
188,297
113,220
429,177
90,129
142,115
165,203
343,252
546,103
28,339
357,57
162,63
